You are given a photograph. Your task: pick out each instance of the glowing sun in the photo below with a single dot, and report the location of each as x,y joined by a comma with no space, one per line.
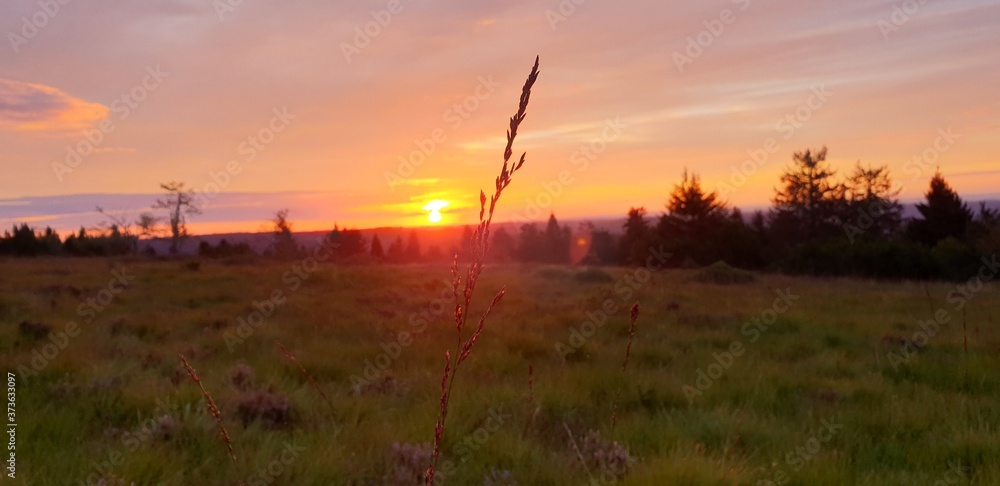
434,210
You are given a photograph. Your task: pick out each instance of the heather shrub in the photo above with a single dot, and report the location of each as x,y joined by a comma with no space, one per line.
241,376
407,463
271,409
34,330
721,273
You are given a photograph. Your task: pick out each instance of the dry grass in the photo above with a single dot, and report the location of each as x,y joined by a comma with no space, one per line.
817,361
309,377
628,353
214,410
479,247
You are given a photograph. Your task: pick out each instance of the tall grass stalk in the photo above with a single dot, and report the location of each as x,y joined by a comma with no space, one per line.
479,246
214,410
308,376
628,352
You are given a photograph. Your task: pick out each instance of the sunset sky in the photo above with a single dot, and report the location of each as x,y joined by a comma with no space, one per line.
311,113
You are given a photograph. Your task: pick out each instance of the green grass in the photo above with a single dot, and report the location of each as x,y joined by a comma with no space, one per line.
824,359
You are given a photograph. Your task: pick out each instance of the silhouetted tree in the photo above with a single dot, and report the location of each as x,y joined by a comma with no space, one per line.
118,226
179,203
503,248
873,209
23,242
397,251
465,250
377,252
986,231
116,243
346,243
98,243
224,249
636,240
412,247
49,242
606,247
694,224
943,215
555,244
285,245
529,246
148,224
434,254
809,204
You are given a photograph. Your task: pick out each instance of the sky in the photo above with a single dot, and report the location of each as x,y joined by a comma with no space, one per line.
361,113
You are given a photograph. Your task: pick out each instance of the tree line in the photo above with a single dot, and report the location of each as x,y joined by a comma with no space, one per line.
821,224
818,223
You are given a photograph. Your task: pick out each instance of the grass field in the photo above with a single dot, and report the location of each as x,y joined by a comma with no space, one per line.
792,380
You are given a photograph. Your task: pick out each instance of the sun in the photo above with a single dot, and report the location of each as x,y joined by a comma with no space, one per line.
434,207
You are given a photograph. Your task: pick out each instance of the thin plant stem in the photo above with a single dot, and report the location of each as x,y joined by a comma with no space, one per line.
628,352
214,410
308,376
479,246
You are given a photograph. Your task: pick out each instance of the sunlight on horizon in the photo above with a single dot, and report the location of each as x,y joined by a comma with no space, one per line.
434,208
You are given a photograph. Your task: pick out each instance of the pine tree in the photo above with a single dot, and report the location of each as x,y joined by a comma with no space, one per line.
873,208
810,203
502,247
943,215
284,242
377,252
555,248
529,247
693,224
637,239
412,247
397,251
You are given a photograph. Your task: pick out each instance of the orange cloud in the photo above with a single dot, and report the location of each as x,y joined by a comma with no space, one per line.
36,107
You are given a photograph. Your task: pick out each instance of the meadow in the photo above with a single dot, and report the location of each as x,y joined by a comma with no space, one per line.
733,378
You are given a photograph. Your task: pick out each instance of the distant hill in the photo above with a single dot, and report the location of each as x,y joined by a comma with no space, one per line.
445,237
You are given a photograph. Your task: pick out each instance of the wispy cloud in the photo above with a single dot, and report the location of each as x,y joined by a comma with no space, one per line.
36,107
419,77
